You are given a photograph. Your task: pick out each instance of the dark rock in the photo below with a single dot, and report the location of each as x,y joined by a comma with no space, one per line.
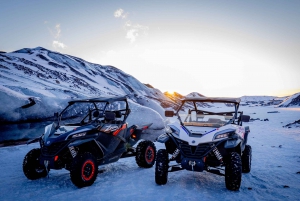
295,123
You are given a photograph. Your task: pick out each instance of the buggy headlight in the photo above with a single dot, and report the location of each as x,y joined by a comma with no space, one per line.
223,135
79,135
228,133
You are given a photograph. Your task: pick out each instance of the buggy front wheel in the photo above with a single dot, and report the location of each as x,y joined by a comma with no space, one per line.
233,172
32,167
84,170
161,167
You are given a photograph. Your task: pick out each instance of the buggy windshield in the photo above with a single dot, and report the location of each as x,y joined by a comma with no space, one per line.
207,114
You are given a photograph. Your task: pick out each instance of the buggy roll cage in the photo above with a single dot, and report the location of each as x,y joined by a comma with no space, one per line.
98,100
235,101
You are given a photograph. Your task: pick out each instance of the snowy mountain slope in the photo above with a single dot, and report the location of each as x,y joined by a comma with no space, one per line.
293,100
48,76
274,174
194,94
45,81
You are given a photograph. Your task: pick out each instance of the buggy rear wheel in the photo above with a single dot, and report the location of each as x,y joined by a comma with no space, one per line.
145,154
32,167
233,172
161,167
84,170
246,159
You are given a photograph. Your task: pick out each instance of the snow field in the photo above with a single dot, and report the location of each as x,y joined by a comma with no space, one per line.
273,175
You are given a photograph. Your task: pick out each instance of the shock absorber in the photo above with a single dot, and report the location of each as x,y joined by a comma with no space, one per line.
175,154
217,154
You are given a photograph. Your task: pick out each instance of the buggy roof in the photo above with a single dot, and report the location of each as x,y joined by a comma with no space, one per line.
108,99
213,99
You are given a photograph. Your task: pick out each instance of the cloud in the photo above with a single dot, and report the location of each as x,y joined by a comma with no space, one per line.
56,34
119,13
132,34
57,44
58,31
134,31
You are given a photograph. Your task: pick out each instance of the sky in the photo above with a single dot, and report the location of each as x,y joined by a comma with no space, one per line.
217,48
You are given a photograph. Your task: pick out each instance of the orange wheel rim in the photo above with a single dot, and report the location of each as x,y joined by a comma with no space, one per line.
88,170
149,155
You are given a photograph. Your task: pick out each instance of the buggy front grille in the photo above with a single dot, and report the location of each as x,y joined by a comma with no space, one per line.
193,151
53,149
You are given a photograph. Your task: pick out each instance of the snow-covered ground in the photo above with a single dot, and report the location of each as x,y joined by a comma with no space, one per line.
275,173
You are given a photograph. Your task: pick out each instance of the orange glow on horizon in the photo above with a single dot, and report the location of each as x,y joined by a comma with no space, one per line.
171,92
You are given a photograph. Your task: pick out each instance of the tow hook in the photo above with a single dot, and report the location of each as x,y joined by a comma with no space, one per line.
192,163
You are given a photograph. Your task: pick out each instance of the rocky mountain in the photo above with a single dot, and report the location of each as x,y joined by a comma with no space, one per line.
194,94
48,79
35,83
293,100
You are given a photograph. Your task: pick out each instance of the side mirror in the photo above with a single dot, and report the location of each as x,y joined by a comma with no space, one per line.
245,118
169,113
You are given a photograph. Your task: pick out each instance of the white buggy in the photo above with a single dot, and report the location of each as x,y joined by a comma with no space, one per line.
208,135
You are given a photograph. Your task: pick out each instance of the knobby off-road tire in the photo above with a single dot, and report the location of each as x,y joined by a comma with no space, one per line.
84,170
246,159
233,172
145,154
161,167
31,165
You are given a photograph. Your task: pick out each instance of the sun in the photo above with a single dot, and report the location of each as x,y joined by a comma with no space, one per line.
171,92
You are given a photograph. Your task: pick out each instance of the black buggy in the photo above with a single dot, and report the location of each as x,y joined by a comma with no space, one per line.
88,133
